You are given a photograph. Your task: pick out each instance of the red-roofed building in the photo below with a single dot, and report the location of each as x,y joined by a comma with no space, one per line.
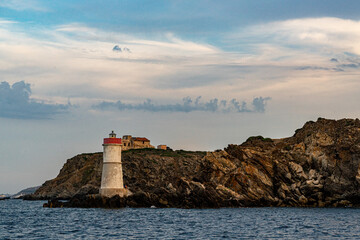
141,139
130,142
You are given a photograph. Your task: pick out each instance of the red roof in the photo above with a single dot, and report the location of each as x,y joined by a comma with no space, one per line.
112,140
141,139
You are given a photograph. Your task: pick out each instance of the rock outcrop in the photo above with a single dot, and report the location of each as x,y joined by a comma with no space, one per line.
317,167
146,170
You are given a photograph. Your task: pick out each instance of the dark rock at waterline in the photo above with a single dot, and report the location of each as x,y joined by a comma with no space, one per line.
317,167
142,199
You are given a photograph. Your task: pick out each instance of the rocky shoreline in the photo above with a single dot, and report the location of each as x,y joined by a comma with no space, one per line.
319,166
141,200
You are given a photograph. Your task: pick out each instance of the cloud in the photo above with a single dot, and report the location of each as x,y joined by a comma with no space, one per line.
336,69
64,53
22,5
15,102
259,104
299,40
116,48
353,62
260,61
350,65
164,44
188,105
4,21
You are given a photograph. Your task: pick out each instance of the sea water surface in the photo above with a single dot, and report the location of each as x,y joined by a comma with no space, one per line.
29,220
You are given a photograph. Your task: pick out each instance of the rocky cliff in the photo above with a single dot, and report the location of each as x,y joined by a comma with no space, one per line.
145,170
319,166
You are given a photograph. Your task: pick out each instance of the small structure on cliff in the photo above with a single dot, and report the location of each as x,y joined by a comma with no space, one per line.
112,175
129,142
162,147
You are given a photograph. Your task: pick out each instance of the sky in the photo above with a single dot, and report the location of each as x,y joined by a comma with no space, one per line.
195,75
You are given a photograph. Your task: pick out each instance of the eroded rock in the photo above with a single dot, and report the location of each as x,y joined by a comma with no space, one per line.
319,166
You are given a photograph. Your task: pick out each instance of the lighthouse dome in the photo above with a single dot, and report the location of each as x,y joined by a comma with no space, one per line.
112,134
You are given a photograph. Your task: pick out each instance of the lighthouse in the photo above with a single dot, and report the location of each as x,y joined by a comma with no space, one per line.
112,175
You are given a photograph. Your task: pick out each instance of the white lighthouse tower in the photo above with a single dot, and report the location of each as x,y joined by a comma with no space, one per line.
112,175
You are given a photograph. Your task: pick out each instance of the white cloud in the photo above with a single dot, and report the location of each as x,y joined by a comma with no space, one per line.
294,56
3,22
279,59
309,35
77,61
21,5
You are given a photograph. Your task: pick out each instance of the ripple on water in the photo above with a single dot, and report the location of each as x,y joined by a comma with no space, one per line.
28,220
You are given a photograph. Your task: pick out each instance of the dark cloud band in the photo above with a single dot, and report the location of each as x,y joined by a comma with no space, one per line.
15,102
188,105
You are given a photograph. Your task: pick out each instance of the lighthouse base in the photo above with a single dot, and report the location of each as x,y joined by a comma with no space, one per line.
110,192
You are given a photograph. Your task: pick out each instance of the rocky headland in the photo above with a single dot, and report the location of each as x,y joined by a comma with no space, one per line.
319,166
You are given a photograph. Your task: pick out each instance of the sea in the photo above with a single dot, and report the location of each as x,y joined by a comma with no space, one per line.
29,220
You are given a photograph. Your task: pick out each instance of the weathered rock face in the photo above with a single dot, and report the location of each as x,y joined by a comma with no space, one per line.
146,170
319,166
79,175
